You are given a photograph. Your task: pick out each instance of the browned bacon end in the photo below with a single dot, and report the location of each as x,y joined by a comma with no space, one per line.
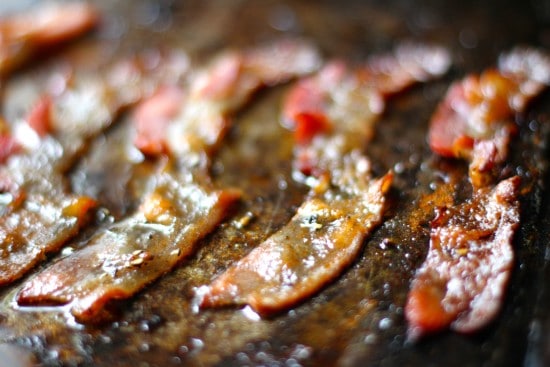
463,279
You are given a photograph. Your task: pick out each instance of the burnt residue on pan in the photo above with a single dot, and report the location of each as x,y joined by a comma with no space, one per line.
358,319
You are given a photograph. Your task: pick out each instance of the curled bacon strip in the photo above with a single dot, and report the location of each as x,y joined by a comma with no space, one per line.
475,120
318,243
23,35
462,282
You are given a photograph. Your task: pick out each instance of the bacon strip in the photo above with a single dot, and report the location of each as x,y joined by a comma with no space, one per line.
475,120
37,205
333,114
23,35
344,103
318,243
463,279
183,208
121,260
215,93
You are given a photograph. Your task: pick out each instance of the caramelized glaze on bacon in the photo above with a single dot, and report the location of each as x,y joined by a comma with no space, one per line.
333,114
462,282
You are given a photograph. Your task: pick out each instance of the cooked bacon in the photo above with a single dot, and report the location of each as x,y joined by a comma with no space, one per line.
475,121
124,258
219,90
318,243
182,209
462,282
344,102
36,203
23,35
91,99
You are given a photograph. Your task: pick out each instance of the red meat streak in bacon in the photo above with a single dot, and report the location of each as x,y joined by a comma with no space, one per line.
182,208
333,114
462,282
38,119
23,35
8,144
152,118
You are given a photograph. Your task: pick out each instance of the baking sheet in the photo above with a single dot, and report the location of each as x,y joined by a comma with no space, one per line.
357,320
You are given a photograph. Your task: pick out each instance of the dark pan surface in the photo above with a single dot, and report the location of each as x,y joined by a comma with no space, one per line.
357,320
